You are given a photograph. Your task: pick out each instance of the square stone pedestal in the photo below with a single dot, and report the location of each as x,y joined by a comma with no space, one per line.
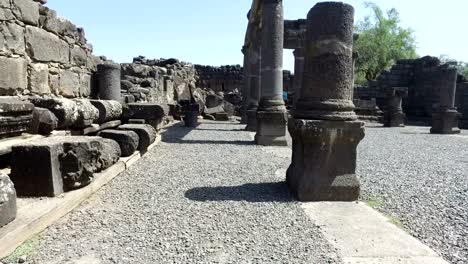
324,160
271,128
251,120
445,122
396,119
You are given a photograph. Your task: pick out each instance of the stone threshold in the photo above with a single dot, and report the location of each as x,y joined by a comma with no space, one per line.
363,235
36,214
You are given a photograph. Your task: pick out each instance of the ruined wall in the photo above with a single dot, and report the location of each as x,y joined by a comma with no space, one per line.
159,81
41,53
420,76
224,79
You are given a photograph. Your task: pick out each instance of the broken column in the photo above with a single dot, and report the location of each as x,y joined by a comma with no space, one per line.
394,116
445,117
245,86
146,134
271,114
152,113
15,116
108,110
7,200
324,129
298,71
127,140
109,81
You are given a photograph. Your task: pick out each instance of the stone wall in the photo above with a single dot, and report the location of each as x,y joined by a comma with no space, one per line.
224,79
160,81
420,76
41,53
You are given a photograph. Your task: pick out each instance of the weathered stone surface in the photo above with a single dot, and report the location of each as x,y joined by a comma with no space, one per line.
39,79
78,56
146,134
27,11
12,36
109,81
45,47
15,116
147,111
85,85
221,116
108,110
64,109
6,14
331,145
271,128
87,113
127,140
7,200
43,122
48,166
69,82
13,75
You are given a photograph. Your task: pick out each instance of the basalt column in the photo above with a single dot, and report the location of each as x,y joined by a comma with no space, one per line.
298,71
254,82
394,116
271,114
109,81
246,86
324,129
445,118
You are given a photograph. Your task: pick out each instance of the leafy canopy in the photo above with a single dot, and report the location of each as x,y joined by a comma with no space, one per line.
382,41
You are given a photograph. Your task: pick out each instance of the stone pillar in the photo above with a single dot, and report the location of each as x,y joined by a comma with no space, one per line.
298,72
271,114
445,117
255,84
245,85
394,116
324,129
109,81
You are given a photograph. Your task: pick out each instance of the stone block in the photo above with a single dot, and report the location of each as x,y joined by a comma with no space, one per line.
108,110
78,56
8,207
27,11
43,122
15,116
47,167
39,79
271,128
12,36
46,47
69,82
324,159
127,140
445,122
64,109
13,75
6,14
222,116
147,111
85,85
87,114
146,134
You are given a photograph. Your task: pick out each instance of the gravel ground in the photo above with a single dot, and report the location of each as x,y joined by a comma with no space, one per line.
202,196
421,180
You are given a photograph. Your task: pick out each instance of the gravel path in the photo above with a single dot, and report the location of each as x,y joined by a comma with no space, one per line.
202,196
421,180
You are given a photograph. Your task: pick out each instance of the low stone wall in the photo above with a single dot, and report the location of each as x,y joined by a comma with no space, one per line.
41,53
224,79
160,81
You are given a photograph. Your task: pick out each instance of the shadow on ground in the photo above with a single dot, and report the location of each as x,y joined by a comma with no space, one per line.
251,192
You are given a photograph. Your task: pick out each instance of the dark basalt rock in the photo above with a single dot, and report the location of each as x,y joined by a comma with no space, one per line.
15,116
44,121
146,134
109,110
7,200
127,140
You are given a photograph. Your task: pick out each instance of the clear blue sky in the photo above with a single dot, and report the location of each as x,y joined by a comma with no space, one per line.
212,31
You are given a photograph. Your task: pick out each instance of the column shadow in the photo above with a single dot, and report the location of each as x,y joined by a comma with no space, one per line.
251,192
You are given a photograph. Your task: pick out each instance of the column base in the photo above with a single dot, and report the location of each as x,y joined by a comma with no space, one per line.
191,118
251,120
271,128
324,160
445,122
396,119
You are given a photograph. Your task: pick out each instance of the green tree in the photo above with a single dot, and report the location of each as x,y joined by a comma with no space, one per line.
381,42
461,65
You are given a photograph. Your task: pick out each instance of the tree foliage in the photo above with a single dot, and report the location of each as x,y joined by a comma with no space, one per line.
381,42
461,65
